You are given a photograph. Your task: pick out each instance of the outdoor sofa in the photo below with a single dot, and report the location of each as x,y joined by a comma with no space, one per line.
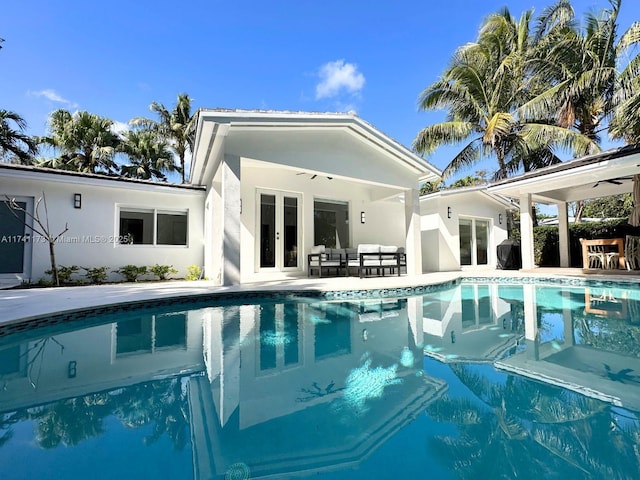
366,259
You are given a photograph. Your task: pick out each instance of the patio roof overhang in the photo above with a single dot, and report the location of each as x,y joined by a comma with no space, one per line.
593,176
337,144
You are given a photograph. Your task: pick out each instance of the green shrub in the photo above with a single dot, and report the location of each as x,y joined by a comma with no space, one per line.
131,272
546,241
161,271
194,272
64,273
96,274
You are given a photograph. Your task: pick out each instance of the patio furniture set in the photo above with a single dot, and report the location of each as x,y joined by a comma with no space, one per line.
366,259
611,253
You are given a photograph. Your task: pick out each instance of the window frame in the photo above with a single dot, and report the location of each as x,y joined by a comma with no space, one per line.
155,212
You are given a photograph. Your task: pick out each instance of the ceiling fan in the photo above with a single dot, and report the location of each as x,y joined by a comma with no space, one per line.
614,181
313,176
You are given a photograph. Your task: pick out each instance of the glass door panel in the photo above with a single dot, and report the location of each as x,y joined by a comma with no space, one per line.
12,238
482,242
267,230
466,242
290,244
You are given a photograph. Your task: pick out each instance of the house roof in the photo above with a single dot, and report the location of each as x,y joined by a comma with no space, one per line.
66,176
593,176
271,130
480,189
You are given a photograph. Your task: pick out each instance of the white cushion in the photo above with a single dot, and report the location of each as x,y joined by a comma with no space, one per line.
368,248
388,249
317,249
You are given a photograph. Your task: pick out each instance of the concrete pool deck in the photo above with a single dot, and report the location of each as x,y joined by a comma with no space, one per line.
23,304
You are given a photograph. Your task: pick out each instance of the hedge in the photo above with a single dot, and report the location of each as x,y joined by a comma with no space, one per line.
545,239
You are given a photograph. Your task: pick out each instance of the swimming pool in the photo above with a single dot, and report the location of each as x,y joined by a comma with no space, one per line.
479,380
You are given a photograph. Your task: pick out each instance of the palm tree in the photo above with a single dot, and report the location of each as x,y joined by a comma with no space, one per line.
583,67
149,155
176,126
14,144
482,89
85,141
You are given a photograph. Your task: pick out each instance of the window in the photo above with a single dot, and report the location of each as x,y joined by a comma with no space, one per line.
331,223
153,227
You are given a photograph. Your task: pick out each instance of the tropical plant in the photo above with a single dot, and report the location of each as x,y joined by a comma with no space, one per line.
194,272
162,271
64,273
85,141
96,274
482,90
149,154
15,145
131,272
585,67
177,127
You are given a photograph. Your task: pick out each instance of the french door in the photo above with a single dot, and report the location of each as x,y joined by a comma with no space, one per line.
474,241
279,230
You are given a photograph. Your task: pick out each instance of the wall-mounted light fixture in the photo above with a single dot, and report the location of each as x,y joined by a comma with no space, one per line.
72,369
77,200
500,218
362,217
241,206
453,336
448,212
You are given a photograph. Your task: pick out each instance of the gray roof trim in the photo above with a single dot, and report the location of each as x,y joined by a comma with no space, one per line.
571,164
94,176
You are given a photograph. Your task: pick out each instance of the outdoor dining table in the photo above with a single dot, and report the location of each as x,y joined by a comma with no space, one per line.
607,246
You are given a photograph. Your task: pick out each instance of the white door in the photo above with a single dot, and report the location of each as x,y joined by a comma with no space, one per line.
279,231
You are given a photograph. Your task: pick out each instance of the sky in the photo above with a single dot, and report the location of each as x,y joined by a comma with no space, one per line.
115,58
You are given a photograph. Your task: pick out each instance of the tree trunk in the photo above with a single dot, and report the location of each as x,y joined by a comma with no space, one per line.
54,267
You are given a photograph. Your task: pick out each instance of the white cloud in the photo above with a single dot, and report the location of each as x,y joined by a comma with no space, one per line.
53,96
338,76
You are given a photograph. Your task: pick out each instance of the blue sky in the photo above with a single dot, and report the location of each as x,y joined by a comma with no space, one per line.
115,58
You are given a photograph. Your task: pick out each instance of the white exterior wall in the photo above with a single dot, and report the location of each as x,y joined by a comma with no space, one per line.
89,241
384,224
440,234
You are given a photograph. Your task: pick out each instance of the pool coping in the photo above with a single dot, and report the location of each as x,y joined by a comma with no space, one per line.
23,309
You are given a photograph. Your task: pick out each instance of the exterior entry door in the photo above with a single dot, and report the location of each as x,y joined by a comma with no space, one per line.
278,230
15,244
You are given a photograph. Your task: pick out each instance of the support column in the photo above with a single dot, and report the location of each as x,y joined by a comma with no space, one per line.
231,220
413,232
526,231
563,235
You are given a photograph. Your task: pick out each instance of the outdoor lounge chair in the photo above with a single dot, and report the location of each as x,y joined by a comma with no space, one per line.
324,258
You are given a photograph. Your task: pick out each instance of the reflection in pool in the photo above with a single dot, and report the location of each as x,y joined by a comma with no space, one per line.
376,388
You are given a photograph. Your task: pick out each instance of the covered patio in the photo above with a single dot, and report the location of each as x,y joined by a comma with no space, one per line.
279,183
595,176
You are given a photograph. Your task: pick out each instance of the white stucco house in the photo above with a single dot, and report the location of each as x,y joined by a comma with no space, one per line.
264,188
461,228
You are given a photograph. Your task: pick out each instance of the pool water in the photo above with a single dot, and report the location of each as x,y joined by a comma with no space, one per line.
477,381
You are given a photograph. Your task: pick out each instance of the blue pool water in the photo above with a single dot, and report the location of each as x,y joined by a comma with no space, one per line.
477,381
